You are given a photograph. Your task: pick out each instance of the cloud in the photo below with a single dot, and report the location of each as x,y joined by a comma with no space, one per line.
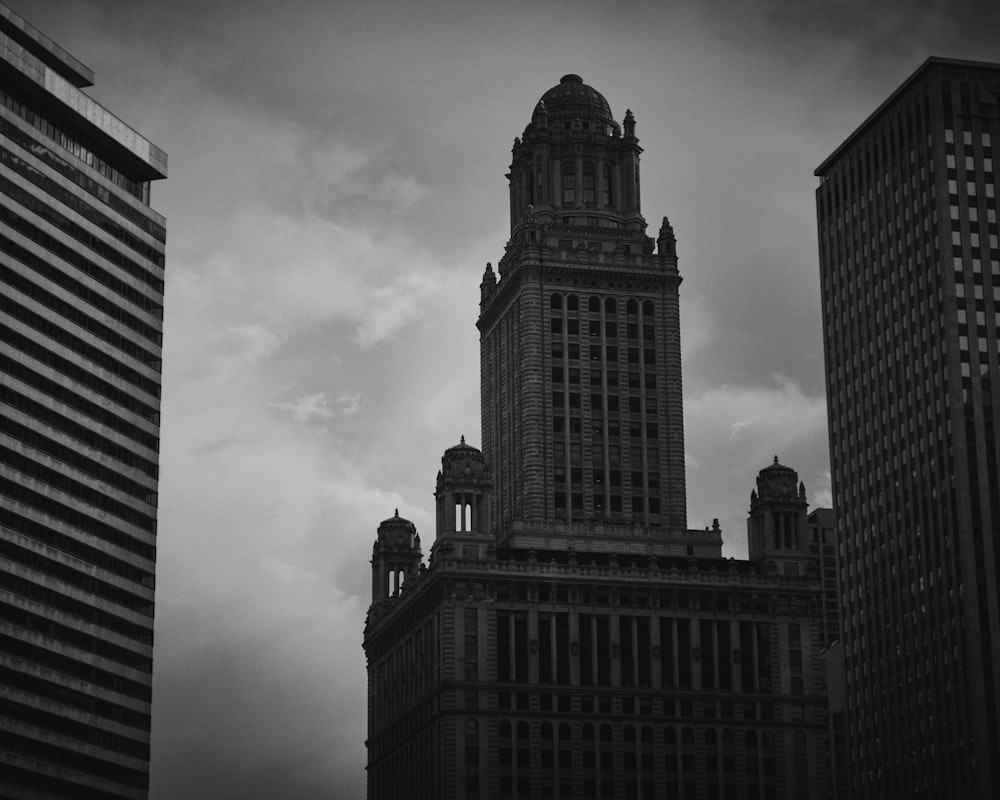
246,344
395,306
734,431
318,407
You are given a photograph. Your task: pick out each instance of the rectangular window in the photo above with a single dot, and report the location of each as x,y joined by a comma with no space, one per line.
568,183
588,183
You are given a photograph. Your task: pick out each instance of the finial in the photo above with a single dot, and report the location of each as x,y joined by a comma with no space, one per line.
397,513
775,459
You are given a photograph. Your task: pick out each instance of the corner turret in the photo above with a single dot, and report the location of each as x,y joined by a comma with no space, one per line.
396,557
777,525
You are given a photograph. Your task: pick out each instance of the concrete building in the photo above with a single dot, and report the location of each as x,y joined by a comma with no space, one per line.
570,636
910,267
821,523
81,263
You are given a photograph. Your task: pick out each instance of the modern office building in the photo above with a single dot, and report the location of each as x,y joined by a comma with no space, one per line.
570,636
821,525
910,264
81,267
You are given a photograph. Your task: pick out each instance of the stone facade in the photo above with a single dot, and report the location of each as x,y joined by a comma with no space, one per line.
570,636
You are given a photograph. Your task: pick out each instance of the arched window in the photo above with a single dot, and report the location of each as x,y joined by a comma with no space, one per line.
605,733
568,183
647,308
556,301
573,303
588,732
631,308
588,183
610,306
608,195
594,305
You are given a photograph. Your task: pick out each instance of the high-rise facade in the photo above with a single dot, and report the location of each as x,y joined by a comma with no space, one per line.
580,347
82,268
910,265
570,637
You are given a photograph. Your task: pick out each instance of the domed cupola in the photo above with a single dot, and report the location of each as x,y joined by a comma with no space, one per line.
396,557
462,491
778,483
778,506
573,101
573,166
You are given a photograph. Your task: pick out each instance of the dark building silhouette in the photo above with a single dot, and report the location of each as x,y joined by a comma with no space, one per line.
570,636
81,266
910,266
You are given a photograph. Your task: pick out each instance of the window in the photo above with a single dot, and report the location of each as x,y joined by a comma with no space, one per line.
588,182
568,183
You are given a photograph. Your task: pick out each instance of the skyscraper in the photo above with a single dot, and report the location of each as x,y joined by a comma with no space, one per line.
570,636
580,348
81,263
910,267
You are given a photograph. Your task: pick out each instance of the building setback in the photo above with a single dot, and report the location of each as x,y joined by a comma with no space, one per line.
910,267
81,266
570,635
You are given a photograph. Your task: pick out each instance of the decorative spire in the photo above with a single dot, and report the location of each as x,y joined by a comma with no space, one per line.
665,242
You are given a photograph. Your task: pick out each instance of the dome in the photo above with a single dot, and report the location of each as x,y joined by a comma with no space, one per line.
779,482
777,469
396,522
462,462
462,449
573,99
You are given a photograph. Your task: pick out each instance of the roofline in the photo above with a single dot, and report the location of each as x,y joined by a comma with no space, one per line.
58,89
44,49
933,61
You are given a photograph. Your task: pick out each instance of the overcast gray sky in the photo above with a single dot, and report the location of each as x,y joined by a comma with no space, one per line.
336,188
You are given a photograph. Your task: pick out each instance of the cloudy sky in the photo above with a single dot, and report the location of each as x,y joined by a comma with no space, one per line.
336,188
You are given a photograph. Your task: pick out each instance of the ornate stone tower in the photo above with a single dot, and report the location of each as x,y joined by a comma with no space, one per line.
777,527
395,557
463,496
569,636
582,416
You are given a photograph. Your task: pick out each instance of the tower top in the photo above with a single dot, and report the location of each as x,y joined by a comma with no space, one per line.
778,483
574,101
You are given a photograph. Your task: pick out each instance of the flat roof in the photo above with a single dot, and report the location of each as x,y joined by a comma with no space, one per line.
44,49
149,160
933,61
